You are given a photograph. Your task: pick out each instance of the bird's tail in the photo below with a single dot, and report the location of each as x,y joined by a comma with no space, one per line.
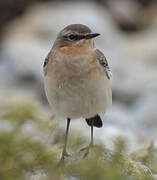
97,122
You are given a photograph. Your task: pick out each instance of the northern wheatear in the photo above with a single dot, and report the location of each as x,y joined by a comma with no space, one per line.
77,78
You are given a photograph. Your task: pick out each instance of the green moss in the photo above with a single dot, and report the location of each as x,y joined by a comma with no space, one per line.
102,163
28,154
147,156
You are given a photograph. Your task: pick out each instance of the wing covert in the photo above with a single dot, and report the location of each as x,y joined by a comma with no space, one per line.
103,62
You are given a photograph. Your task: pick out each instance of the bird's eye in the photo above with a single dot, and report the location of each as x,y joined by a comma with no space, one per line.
73,37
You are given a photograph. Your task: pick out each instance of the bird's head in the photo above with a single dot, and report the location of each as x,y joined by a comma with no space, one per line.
76,36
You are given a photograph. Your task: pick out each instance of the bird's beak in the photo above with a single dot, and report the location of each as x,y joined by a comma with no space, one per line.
92,35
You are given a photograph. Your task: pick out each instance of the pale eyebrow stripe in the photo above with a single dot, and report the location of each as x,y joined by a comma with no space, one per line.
66,32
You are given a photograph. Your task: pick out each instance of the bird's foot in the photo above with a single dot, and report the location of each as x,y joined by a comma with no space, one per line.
64,155
86,150
61,164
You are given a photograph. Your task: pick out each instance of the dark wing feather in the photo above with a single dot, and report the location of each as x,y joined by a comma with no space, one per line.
96,121
46,62
103,61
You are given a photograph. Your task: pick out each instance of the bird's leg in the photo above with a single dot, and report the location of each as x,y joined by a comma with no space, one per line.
91,143
64,153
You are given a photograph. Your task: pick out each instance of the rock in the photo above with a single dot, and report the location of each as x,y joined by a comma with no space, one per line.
133,15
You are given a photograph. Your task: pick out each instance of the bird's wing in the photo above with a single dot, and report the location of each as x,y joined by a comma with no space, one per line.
97,122
103,62
45,63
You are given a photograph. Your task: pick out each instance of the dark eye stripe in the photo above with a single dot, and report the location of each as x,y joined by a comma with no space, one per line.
82,37
75,37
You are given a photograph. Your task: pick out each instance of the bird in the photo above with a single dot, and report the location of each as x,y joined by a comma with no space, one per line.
77,78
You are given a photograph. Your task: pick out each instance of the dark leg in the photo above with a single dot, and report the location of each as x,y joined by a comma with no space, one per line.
64,153
86,149
91,143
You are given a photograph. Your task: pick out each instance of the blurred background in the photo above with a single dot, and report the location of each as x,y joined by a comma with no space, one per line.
128,39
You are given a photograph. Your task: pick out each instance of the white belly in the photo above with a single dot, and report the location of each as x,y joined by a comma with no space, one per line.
75,100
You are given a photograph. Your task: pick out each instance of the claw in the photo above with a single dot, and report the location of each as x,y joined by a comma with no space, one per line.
86,149
64,155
